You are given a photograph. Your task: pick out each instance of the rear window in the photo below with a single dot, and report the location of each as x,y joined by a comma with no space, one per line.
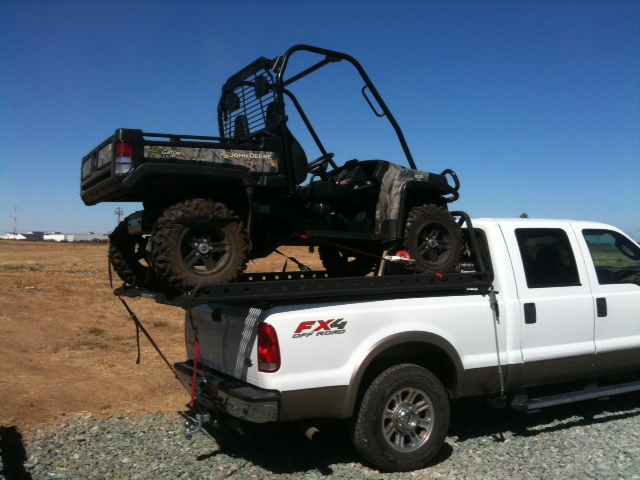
547,258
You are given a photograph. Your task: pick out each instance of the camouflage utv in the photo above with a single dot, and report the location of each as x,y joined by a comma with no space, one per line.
211,204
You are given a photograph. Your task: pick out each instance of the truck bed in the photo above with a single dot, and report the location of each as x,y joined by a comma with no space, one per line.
271,288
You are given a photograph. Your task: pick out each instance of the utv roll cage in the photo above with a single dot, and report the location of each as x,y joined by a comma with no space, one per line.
252,106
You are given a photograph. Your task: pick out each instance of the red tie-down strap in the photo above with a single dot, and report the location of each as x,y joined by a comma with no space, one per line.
401,255
195,374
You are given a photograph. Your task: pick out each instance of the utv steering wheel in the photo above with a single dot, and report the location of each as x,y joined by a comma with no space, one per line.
319,165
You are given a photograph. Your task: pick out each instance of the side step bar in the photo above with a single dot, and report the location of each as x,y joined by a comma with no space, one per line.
522,403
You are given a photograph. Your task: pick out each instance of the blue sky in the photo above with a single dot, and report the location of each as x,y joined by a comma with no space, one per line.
535,105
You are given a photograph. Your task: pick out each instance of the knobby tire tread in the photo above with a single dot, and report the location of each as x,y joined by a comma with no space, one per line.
165,248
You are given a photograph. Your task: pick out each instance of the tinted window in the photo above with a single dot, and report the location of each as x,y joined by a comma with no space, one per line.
547,257
616,258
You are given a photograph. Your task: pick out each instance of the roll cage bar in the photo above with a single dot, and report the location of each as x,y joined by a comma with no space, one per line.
271,77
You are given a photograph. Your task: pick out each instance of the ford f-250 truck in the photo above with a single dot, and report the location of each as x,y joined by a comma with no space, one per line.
542,303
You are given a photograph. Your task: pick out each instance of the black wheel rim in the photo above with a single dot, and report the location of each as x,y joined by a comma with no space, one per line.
434,243
204,250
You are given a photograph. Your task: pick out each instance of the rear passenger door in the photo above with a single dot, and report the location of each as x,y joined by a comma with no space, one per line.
556,305
613,263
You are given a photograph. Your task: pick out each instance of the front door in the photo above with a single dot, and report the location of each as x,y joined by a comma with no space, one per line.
557,312
615,282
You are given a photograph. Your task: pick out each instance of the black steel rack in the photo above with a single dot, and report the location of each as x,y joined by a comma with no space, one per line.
264,289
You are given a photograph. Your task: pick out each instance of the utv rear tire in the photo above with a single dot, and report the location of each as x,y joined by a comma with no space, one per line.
402,420
189,254
128,257
342,263
433,239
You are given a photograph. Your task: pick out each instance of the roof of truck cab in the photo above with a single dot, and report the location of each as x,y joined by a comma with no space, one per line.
539,223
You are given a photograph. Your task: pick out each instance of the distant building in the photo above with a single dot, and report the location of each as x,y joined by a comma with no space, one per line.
58,237
55,237
13,236
84,237
34,236
76,237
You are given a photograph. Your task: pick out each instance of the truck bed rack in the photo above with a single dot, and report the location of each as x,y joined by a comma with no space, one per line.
269,288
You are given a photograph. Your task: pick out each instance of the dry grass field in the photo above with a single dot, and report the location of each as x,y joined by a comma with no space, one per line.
68,346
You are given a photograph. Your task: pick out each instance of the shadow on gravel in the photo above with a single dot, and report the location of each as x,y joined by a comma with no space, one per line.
13,455
473,419
283,449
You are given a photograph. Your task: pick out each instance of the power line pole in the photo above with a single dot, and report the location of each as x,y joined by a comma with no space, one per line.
119,212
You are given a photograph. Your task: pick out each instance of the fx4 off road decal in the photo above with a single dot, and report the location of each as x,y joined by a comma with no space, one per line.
334,326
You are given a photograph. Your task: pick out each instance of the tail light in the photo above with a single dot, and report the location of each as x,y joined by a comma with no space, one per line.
268,349
124,157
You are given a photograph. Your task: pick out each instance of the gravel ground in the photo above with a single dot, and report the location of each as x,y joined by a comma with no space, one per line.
586,440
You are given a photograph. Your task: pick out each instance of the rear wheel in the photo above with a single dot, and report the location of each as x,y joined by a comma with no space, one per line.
433,239
128,256
403,419
199,242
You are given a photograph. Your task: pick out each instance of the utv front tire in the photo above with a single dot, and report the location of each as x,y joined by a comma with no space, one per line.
199,242
403,419
433,239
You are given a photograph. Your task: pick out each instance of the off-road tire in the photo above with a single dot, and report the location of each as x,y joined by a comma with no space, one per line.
188,254
402,420
342,263
433,239
128,257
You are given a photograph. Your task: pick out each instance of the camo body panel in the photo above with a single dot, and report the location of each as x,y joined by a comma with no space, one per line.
391,191
255,161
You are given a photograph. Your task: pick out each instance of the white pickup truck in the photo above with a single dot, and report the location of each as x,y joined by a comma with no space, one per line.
557,304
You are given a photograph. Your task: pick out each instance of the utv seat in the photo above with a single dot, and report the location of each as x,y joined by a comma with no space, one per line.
273,125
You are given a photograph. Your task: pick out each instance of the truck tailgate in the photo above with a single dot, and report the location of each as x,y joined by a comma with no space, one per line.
227,335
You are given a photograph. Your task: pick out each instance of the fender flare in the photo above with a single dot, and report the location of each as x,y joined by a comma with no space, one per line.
377,349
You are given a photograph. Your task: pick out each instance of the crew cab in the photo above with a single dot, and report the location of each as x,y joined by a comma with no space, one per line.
557,306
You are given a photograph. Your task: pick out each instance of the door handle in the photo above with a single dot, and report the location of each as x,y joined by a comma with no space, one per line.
529,313
601,307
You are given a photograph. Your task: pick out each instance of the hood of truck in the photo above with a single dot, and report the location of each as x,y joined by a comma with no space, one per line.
227,336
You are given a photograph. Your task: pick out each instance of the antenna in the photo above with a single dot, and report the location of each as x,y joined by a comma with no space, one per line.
15,222
119,212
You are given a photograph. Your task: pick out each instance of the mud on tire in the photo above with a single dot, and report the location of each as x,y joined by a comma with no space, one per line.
433,239
198,242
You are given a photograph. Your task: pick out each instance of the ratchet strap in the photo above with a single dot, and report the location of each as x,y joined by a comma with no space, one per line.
301,266
401,257
196,356
140,328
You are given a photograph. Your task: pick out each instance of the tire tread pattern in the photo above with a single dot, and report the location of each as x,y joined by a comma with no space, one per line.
166,248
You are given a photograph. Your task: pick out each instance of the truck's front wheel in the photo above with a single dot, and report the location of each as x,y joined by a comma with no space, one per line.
199,242
402,420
